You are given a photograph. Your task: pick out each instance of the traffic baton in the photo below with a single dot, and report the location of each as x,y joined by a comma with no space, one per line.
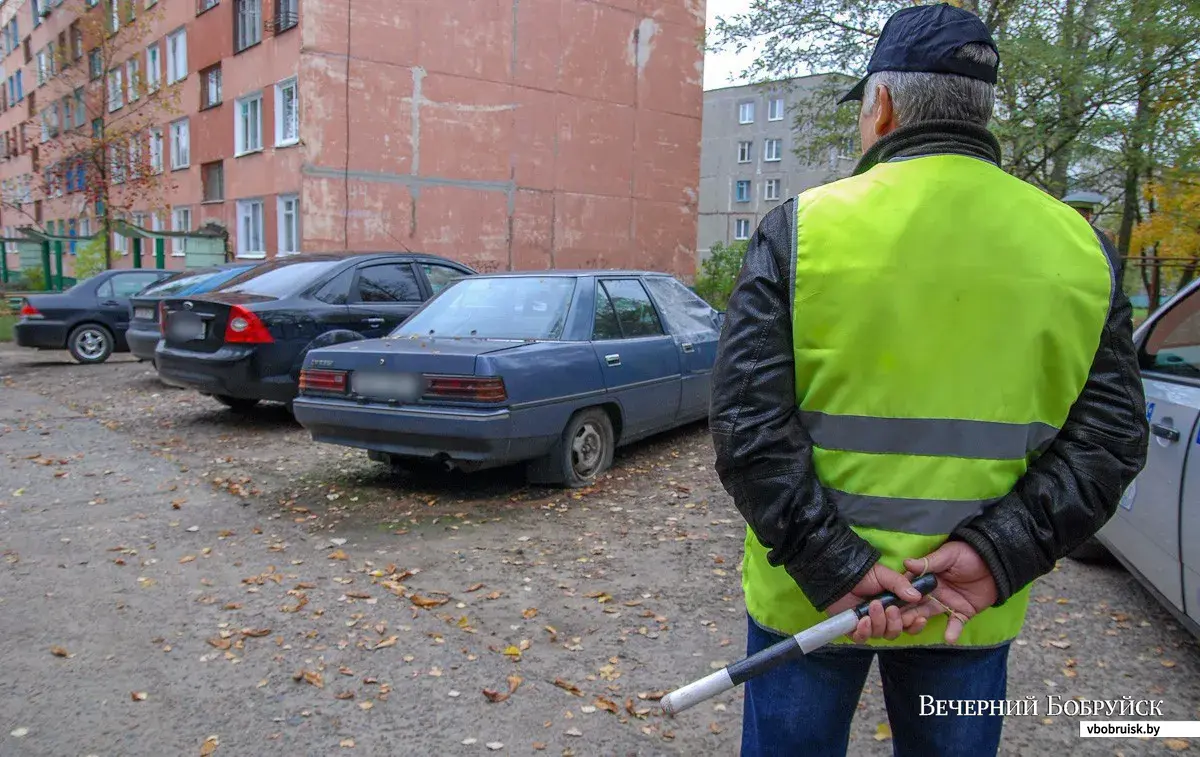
801,644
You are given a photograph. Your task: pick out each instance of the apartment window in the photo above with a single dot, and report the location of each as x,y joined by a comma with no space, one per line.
80,108
210,86
116,90
43,69
181,220
247,24
133,78
76,41
743,191
212,177
68,112
250,229
37,13
176,56
741,228
85,228
139,220
51,60
114,16
771,189
116,166
153,68
772,149
135,156
20,86
95,64
289,225
746,113
181,146
287,113
286,15
156,150
204,5
744,151
775,109
97,128
248,127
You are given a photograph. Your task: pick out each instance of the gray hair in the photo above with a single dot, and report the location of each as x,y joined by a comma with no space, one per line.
919,96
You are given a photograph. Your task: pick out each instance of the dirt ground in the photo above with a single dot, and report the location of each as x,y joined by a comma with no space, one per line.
572,609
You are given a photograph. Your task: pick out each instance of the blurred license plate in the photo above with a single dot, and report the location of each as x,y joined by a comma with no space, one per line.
403,387
185,327
146,314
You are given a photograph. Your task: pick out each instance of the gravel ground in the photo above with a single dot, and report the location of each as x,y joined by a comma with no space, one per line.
400,602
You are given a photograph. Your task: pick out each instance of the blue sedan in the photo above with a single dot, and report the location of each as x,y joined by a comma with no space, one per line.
555,369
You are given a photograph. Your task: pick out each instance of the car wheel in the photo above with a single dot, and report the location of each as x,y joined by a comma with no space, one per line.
90,343
236,404
584,451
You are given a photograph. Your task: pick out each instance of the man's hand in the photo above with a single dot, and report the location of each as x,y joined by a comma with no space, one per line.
879,623
965,586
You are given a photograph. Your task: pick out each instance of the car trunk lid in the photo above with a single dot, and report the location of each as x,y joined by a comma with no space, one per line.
198,323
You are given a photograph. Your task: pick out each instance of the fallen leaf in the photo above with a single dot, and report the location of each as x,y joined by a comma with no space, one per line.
187,559
606,704
347,743
256,632
495,696
512,651
138,696
311,676
474,587
538,746
514,682
1167,663
1177,745
388,642
427,603
494,595
1059,644
338,554
220,643
209,746
652,696
495,745
365,705
529,613
344,695
883,732
58,651
572,688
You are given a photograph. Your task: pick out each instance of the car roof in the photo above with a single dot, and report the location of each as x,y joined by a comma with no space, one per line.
347,256
573,273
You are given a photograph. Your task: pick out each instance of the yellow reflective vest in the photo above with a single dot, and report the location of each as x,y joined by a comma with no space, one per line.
945,317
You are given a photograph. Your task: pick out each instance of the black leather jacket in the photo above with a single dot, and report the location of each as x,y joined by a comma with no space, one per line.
764,454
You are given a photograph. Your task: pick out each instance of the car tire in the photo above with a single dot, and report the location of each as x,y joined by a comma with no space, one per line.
1092,551
236,404
582,453
90,343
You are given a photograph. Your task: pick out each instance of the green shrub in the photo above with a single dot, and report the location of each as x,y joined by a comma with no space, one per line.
89,258
718,273
34,279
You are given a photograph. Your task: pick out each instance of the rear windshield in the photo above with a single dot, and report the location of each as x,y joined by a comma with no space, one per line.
177,283
279,279
509,307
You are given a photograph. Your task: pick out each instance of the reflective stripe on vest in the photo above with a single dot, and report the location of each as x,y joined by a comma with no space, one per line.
945,317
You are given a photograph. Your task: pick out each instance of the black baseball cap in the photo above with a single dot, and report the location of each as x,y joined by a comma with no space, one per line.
925,38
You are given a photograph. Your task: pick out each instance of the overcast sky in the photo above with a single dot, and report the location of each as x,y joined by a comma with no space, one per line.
719,67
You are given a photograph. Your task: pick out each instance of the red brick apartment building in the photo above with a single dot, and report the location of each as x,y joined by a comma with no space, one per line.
508,134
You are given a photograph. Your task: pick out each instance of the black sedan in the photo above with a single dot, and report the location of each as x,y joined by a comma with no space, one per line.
144,330
89,319
246,341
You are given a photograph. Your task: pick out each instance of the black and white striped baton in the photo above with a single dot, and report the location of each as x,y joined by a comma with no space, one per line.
789,649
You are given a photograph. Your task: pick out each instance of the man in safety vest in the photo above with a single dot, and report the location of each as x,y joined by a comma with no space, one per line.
925,367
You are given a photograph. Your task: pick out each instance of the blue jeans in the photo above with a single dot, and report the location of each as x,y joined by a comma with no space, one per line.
804,707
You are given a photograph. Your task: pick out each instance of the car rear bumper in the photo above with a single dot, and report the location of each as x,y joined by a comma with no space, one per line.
231,371
44,335
464,435
142,343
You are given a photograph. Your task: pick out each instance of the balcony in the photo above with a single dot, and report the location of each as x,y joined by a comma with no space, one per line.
285,18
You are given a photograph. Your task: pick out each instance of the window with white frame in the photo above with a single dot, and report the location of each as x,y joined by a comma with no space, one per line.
139,220
775,109
289,225
746,113
116,164
116,90
135,157
80,108
177,67
771,189
42,69
181,220
85,227
744,153
114,20
741,228
248,128
773,149
287,113
250,243
247,22
181,145
742,190
153,68
156,150
133,78
210,87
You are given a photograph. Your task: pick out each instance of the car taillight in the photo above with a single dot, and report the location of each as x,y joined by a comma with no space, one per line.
245,327
471,388
162,318
29,311
322,381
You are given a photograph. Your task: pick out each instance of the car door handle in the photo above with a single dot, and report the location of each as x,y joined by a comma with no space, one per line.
110,303
1166,432
612,359
373,321
688,347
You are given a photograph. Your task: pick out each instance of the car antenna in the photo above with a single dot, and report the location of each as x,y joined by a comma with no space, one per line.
402,244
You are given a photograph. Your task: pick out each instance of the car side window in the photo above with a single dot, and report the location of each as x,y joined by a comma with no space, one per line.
605,325
105,290
129,284
440,276
1173,345
336,291
391,282
684,310
635,312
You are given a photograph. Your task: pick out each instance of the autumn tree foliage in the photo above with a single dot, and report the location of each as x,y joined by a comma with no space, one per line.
100,116
1169,235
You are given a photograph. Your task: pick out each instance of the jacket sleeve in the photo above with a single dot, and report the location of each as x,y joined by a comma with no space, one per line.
763,453
1072,489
